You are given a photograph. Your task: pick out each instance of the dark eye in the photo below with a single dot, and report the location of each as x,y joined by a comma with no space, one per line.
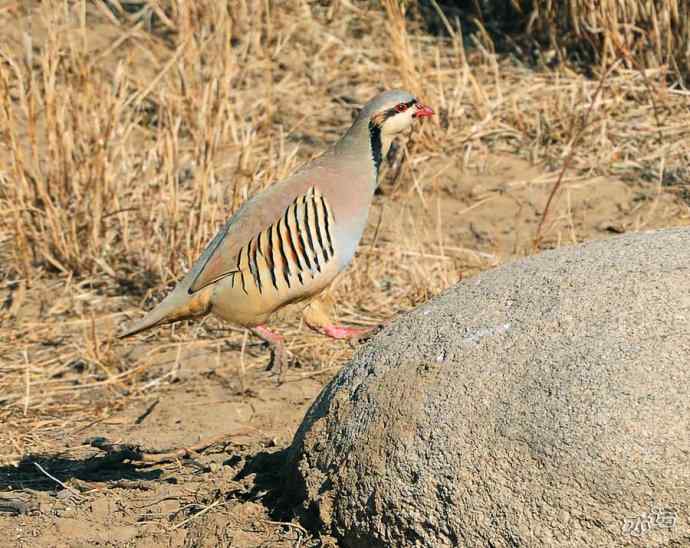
401,107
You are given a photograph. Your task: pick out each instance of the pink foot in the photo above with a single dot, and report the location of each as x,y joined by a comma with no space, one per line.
338,332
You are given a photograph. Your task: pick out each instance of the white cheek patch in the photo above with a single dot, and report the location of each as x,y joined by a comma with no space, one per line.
399,122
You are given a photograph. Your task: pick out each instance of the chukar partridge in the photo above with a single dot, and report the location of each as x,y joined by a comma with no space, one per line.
290,241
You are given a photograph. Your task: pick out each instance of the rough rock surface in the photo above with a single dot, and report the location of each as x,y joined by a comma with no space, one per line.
544,403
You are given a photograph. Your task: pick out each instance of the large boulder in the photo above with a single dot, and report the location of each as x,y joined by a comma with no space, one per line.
544,403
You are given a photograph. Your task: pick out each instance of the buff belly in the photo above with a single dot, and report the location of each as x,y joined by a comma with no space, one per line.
249,305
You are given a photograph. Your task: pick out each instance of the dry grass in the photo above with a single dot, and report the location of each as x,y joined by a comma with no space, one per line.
130,131
644,33
641,33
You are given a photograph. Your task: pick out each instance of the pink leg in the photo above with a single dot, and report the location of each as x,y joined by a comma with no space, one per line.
316,316
343,332
276,343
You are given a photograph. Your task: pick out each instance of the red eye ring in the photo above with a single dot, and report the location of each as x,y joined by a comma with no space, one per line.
400,107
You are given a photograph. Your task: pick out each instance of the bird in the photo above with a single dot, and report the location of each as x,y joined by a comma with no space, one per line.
291,240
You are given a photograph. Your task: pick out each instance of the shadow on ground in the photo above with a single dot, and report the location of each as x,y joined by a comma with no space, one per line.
268,485
34,471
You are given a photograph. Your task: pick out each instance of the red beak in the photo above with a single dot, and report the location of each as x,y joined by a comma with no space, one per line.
423,111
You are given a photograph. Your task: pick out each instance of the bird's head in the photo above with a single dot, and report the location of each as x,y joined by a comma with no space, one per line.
382,119
394,111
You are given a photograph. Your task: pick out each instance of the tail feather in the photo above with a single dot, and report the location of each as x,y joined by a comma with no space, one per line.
157,316
179,305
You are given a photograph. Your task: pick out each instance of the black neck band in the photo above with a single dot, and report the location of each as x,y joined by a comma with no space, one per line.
376,146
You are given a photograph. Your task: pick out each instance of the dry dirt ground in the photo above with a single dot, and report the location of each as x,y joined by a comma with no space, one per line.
174,438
